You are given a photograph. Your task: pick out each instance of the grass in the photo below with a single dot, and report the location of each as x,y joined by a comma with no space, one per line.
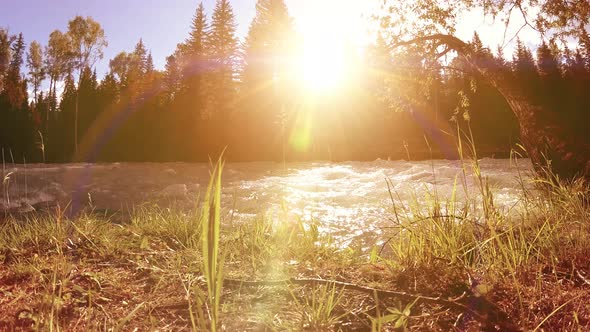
162,269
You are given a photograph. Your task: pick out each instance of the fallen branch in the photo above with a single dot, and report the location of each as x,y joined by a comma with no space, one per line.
478,307
453,302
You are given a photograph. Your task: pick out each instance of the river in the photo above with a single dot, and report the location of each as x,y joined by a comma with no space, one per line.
344,198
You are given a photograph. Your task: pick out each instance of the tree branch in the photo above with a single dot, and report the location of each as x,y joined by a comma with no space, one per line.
509,16
446,39
452,43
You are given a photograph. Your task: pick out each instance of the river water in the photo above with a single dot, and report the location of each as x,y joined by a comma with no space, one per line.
344,198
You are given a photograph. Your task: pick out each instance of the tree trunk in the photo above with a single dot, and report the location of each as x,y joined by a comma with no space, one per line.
556,149
76,125
49,99
76,115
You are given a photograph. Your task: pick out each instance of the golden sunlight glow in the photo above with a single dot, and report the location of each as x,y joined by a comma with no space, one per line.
332,32
323,65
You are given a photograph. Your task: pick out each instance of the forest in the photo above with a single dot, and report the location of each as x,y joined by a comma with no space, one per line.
434,183
218,91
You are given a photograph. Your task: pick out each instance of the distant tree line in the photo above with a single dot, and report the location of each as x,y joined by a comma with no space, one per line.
216,91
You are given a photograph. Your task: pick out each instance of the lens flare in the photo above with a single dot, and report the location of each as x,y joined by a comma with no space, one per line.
324,65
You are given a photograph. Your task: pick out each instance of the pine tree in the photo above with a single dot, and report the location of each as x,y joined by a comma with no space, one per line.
500,57
551,86
477,45
150,72
108,91
221,86
172,77
42,109
223,35
137,70
525,70
88,90
584,41
268,44
140,53
266,75
522,62
199,33
577,80
479,49
6,41
88,42
15,89
380,62
68,95
197,66
62,138
549,66
149,63
224,50
16,125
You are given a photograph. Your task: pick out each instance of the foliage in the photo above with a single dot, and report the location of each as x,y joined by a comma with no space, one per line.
212,266
212,86
87,42
265,76
122,271
35,64
554,19
427,30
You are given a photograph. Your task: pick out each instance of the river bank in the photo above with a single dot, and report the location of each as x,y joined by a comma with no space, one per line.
435,262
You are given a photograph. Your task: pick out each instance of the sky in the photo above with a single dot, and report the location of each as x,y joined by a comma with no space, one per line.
162,24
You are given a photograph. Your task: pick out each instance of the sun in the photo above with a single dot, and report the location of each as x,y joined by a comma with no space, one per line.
332,33
323,65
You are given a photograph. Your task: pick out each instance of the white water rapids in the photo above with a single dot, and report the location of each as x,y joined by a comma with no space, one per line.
345,198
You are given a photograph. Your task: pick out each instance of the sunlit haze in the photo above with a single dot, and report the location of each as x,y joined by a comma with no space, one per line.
126,22
294,165
333,32
330,29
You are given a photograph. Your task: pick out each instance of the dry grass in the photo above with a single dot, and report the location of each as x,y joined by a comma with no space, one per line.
146,271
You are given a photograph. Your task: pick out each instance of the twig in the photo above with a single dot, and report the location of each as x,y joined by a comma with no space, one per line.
582,278
466,303
507,24
414,222
384,245
452,302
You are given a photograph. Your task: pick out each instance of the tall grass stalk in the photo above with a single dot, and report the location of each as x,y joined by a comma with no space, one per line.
41,145
212,265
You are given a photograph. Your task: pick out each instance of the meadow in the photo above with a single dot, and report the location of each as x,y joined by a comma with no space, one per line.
439,266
